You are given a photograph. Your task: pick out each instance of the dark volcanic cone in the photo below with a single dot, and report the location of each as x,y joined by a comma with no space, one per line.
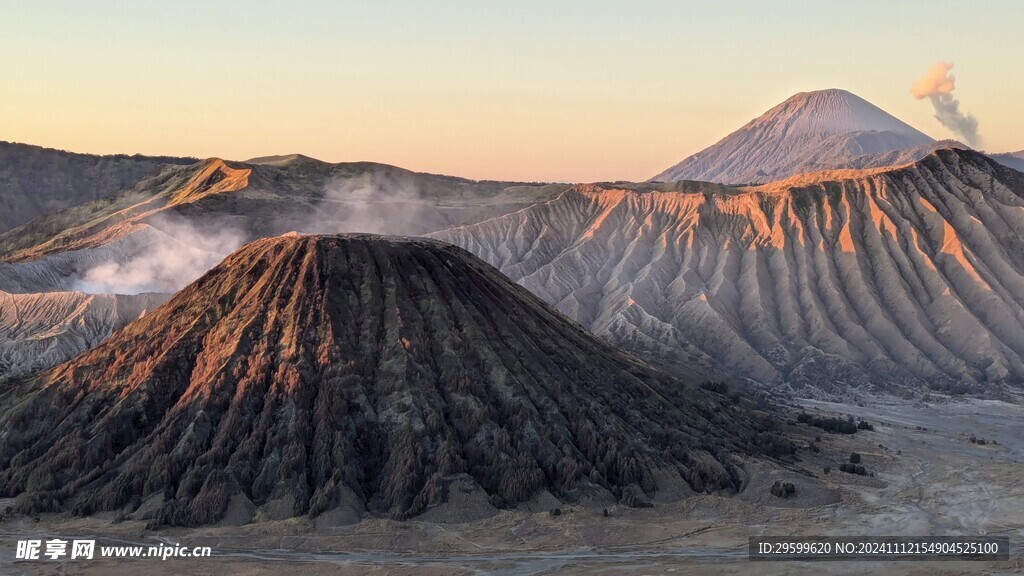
309,372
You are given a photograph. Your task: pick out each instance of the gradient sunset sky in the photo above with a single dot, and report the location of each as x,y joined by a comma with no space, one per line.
530,90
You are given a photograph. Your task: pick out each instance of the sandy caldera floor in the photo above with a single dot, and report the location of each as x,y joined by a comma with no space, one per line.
930,479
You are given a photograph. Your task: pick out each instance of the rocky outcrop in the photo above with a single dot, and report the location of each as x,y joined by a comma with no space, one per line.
898,277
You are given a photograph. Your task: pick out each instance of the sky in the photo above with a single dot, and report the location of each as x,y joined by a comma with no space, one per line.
529,90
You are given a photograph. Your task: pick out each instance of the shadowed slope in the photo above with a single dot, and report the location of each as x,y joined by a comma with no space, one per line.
1013,160
35,180
897,277
307,374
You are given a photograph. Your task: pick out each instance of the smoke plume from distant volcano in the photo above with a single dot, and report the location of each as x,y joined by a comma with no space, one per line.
937,85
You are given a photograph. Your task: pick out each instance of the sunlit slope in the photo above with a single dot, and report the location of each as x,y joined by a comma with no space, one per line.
897,277
40,330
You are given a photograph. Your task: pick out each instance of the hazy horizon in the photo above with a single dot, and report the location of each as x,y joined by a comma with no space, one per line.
573,92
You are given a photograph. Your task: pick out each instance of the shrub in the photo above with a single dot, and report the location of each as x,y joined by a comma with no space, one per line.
854,458
772,444
717,387
829,424
852,469
783,490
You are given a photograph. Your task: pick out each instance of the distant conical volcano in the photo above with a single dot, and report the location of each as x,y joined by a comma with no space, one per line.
824,129
312,373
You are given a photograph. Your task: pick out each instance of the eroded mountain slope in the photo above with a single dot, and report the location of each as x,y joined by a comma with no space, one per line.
898,277
357,375
40,330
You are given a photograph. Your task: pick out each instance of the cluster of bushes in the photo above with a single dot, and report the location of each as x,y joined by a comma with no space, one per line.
734,396
952,387
716,387
772,444
834,425
853,469
853,466
783,490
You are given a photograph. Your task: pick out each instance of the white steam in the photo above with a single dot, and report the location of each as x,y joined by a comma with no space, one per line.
178,252
174,251
937,85
362,204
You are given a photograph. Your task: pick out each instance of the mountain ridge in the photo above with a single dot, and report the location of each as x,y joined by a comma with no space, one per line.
37,180
825,284
1013,160
298,190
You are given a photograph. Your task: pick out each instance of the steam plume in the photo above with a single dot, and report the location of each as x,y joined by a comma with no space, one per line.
177,253
173,251
937,85
376,202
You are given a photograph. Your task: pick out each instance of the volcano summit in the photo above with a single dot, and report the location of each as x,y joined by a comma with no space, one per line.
810,131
